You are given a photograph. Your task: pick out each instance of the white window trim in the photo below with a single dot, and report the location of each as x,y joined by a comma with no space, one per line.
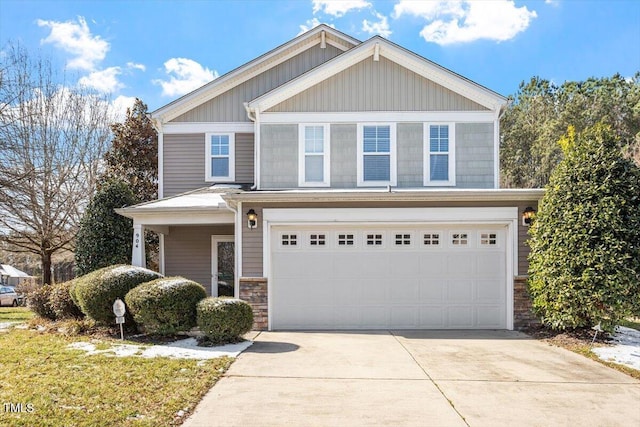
326,156
232,158
393,167
427,156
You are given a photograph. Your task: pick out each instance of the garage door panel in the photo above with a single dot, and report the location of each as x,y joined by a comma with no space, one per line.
408,285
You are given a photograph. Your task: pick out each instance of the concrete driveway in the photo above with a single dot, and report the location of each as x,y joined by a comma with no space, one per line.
416,378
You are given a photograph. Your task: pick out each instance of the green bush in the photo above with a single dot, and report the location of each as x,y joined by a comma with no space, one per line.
224,320
585,241
61,303
38,302
105,238
167,305
96,292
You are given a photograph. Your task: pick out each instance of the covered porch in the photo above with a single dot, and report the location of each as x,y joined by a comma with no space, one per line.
197,238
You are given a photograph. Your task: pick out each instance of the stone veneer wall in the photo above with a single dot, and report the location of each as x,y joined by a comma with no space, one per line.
253,290
523,316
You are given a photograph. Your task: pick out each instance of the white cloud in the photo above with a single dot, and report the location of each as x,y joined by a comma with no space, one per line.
119,106
76,39
338,8
134,66
466,21
310,24
184,75
381,27
105,81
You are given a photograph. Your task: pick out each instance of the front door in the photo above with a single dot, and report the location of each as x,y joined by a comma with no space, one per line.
222,265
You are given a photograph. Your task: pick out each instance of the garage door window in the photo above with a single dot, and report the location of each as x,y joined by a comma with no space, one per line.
402,239
431,239
346,240
374,239
488,239
459,239
317,240
289,240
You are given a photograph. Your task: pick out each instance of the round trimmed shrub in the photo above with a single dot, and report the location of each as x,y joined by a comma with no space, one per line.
224,320
38,302
96,292
167,305
61,303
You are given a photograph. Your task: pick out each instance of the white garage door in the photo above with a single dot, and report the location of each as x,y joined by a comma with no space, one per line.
335,277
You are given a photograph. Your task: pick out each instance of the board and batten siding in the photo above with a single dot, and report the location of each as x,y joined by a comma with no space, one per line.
229,107
376,86
187,252
252,240
184,162
410,154
344,152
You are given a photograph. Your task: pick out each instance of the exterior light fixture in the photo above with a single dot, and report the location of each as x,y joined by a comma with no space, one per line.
527,216
252,219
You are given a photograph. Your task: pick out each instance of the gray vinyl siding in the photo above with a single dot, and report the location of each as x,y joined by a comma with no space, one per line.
187,252
344,152
410,154
228,106
278,156
377,86
474,155
252,240
184,162
244,158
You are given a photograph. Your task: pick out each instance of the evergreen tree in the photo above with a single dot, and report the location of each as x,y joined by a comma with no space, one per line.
585,240
105,238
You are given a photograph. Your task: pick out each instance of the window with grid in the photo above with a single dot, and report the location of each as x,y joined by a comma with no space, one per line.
488,239
289,240
431,239
220,156
459,239
345,239
439,152
402,239
374,239
317,240
314,155
376,149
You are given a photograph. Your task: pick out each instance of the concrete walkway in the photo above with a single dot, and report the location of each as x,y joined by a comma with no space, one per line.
416,378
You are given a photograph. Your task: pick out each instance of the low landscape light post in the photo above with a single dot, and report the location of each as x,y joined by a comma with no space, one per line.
119,310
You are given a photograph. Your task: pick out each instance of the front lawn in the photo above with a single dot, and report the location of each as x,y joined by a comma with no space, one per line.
59,386
15,314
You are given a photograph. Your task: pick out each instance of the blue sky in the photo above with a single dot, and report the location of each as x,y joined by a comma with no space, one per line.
160,50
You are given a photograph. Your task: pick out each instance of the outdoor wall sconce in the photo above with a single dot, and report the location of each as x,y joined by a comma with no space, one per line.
527,216
252,219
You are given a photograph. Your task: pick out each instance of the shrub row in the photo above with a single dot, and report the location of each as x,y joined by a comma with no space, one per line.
158,304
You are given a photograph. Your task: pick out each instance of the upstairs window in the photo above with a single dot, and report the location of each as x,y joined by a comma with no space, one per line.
314,156
440,154
376,155
220,164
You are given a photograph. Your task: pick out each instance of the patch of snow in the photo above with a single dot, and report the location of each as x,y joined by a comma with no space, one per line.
170,283
128,270
626,351
6,325
223,301
182,349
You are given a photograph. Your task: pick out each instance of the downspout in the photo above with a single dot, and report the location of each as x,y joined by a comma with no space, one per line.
496,143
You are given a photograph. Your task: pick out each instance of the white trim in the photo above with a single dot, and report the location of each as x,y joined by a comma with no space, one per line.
393,166
160,165
407,59
183,217
507,216
380,116
238,255
426,156
251,69
257,150
231,156
496,152
326,156
215,239
204,127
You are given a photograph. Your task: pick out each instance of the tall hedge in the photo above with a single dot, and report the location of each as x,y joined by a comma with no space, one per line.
105,238
585,240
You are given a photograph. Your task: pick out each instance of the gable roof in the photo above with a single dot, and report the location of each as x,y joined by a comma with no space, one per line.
374,47
318,35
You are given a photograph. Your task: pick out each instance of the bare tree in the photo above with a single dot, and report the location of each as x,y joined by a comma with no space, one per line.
52,138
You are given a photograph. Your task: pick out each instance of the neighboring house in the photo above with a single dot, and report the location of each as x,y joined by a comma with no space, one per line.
357,184
11,276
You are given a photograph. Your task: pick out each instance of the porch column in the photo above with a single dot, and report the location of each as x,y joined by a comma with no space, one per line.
138,257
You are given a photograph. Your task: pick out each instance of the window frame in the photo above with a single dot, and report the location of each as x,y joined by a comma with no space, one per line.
427,155
326,156
231,156
393,166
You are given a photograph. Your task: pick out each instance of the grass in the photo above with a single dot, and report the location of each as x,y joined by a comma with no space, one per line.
68,387
15,314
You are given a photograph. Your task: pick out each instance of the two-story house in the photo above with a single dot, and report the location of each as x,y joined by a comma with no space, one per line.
355,182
